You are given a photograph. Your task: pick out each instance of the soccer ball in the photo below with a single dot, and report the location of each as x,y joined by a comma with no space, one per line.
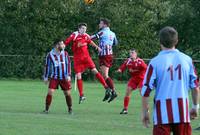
89,1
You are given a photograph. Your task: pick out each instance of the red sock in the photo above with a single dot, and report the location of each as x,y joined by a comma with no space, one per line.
80,87
101,80
109,82
126,102
48,101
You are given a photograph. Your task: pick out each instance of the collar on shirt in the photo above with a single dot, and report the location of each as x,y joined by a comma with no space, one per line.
168,51
54,52
106,28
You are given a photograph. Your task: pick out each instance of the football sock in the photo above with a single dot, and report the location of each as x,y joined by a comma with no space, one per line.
110,83
126,102
80,87
68,101
101,80
48,101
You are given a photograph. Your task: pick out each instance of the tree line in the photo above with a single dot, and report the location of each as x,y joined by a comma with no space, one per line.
29,27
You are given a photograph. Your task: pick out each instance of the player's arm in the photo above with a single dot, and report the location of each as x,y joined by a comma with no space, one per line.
68,66
69,39
148,86
89,41
96,36
195,92
122,68
144,65
95,46
115,41
195,103
47,68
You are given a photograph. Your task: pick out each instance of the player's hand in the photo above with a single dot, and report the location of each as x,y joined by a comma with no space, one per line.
99,49
46,82
119,71
68,78
193,113
146,118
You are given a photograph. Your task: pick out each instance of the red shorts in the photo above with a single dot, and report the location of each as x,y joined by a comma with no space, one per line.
106,60
81,64
64,84
135,83
177,129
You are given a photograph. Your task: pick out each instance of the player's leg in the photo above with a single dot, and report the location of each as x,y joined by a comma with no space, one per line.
80,87
105,70
132,85
53,84
48,99
79,68
66,87
126,100
105,63
99,77
102,81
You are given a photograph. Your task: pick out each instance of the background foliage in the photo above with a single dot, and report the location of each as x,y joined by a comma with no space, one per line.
28,28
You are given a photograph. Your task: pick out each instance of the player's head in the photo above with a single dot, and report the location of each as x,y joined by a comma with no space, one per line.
133,54
59,44
104,23
168,37
82,28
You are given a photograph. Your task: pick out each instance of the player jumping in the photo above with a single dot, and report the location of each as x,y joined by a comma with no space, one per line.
107,39
82,59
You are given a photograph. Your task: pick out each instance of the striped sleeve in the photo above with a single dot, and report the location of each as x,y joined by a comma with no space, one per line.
193,77
47,67
96,36
68,64
115,41
149,81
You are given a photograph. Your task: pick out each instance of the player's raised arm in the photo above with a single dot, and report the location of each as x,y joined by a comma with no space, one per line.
96,36
69,39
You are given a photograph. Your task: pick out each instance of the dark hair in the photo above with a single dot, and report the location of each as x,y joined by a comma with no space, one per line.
105,21
82,24
168,37
56,41
133,50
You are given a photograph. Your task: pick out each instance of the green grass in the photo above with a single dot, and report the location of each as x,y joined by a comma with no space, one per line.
22,101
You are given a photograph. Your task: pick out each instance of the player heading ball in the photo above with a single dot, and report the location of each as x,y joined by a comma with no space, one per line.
83,61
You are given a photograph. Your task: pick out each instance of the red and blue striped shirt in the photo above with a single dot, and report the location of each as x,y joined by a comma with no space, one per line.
58,65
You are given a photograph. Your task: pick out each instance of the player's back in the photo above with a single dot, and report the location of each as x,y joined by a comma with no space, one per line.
172,74
107,37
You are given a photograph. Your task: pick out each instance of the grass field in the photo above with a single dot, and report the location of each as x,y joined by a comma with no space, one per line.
22,101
